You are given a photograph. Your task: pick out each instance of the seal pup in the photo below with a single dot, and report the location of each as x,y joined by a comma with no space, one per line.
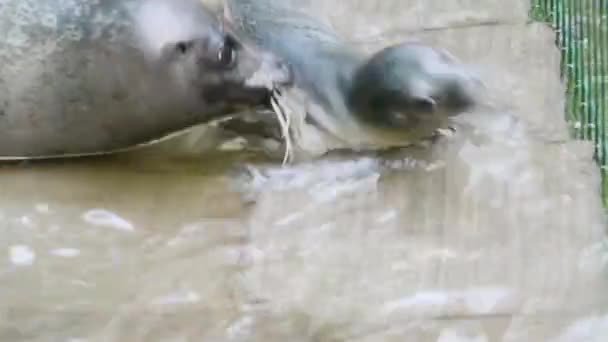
93,77
344,98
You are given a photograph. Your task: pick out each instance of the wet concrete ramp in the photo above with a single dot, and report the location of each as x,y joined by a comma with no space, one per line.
495,234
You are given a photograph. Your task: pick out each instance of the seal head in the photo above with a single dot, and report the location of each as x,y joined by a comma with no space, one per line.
203,56
410,85
342,98
223,71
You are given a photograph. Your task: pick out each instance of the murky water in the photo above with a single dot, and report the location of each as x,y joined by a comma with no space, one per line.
484,237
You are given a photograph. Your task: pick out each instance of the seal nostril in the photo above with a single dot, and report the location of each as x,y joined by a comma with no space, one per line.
280,65
286,70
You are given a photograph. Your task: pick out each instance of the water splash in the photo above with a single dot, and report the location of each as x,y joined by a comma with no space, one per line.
102,217
181,297
66,252
258,179
42,208
22,255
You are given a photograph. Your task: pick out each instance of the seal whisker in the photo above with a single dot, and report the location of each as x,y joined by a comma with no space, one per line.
284,122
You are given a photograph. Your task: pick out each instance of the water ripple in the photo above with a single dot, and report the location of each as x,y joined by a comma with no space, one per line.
102,217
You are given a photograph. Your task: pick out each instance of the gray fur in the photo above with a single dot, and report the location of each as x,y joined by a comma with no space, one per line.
403,92
86,77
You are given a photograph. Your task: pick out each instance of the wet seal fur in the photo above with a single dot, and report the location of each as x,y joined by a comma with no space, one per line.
95,77
343,98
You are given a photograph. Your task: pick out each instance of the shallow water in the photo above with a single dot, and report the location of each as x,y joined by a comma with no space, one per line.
494,235
484,237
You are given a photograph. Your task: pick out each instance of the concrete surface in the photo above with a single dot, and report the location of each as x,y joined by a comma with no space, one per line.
496,234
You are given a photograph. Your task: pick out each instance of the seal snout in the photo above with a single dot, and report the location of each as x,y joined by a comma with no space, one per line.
271,73
405,86
284,72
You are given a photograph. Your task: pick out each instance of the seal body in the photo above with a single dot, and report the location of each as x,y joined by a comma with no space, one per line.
392,97
84,77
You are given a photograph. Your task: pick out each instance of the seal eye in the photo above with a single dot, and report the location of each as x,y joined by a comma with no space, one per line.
183,47
226,56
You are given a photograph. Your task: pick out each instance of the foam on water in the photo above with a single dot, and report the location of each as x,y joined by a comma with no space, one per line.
42,208
65,252
22,255
590,329
105,218
176,298
450,335
313,174
477,300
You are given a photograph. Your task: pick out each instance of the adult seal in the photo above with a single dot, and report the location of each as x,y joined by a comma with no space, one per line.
90,77
393,97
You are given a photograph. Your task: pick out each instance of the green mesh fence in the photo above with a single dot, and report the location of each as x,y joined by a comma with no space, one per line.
582,35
